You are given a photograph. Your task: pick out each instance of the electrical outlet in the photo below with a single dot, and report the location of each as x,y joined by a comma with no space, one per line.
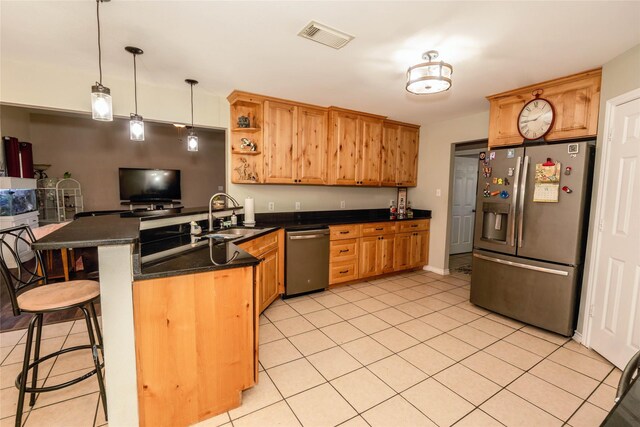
272,207
220,188
391,202
342,204
297,206
438,192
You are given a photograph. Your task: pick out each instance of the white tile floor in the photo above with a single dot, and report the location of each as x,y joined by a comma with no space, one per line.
407,350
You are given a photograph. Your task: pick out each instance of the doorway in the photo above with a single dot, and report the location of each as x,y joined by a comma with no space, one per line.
464,183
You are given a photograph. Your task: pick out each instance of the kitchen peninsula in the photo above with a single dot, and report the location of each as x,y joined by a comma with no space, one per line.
180,317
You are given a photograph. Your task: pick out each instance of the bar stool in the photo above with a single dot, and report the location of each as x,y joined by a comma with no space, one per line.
30,293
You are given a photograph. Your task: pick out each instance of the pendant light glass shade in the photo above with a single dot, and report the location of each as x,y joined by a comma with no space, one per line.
192,141
136,124
136,128
192,137
101,107
429,77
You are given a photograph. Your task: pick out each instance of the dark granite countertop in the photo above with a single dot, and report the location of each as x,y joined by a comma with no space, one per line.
208,257
297,220
87,232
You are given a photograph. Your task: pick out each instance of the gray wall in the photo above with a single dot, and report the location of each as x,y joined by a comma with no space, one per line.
93,151
620,75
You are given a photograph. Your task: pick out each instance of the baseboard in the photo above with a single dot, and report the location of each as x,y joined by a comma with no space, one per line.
577,337
440,271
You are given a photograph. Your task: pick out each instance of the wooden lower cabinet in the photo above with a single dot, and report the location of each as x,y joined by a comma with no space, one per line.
376,255
383,247
195,338
270,271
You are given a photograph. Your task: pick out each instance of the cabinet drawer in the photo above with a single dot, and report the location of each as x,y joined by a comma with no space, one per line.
260,245
417,225
339,232
343,271
378,228
344,250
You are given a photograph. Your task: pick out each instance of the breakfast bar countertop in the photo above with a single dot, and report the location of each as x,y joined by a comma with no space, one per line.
108,230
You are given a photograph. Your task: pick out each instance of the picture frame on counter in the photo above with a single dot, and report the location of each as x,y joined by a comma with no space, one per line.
402,201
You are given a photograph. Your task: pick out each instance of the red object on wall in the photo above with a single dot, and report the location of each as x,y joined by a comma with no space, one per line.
19,157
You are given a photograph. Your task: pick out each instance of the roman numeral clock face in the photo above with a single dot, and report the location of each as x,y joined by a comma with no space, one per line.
535,119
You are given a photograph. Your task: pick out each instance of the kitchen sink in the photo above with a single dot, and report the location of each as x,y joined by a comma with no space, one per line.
232,233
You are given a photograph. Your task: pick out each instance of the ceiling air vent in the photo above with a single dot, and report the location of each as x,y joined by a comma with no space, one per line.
325,35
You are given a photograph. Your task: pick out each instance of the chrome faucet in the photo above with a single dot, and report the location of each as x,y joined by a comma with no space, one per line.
234,201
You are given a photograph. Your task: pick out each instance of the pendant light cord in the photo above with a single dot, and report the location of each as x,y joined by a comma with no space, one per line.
135,83
99,45
191,84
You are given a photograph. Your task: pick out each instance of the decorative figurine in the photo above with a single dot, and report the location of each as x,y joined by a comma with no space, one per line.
244,122
247,143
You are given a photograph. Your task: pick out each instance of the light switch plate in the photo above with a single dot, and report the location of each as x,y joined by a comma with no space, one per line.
438,192
297,206
342,204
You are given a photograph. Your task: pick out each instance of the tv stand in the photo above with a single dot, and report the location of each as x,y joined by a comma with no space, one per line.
152,205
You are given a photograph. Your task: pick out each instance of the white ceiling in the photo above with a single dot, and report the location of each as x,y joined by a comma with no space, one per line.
252,46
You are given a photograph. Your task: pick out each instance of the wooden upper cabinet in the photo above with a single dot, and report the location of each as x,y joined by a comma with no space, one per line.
399,154
280,138
355,144
343,147
312,145
295,144
389,151
575,99
369,145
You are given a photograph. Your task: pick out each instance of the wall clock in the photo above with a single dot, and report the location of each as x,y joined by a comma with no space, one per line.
536,119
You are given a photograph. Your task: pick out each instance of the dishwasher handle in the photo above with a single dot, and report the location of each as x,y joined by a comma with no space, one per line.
307,236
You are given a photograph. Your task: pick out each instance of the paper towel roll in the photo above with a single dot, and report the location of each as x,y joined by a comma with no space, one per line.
249,212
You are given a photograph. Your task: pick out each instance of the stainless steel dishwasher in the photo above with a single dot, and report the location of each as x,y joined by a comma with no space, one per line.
307,261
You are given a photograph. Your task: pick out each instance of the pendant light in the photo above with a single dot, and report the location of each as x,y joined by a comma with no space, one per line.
136,125
101,108
192,137
429,77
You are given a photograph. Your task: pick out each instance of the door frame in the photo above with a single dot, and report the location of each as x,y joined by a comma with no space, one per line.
603,169
466,147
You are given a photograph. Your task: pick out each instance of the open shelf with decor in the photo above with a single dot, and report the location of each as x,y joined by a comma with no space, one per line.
246,138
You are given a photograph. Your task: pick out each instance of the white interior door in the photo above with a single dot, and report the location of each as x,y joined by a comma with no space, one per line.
465,179
615,325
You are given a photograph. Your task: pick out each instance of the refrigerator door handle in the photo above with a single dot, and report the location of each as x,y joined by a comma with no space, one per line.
523,187
520,265
512,214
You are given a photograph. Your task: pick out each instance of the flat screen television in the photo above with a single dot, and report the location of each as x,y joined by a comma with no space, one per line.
148,185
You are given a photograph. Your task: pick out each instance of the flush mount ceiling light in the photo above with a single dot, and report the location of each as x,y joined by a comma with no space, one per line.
136,124
192,137
429,77
101,108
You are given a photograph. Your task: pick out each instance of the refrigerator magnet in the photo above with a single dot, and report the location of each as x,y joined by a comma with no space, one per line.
511,153
483,155
492,155
504,194
573,148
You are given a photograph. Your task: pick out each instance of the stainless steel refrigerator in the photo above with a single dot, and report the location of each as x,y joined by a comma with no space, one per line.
530,232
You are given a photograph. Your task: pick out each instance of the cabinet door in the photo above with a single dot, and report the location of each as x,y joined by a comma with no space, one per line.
402,249
419,248
369,151
312,146
386,250
369,256
280,140
407,158
268,279
576,106
343,149
503,120
389,153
